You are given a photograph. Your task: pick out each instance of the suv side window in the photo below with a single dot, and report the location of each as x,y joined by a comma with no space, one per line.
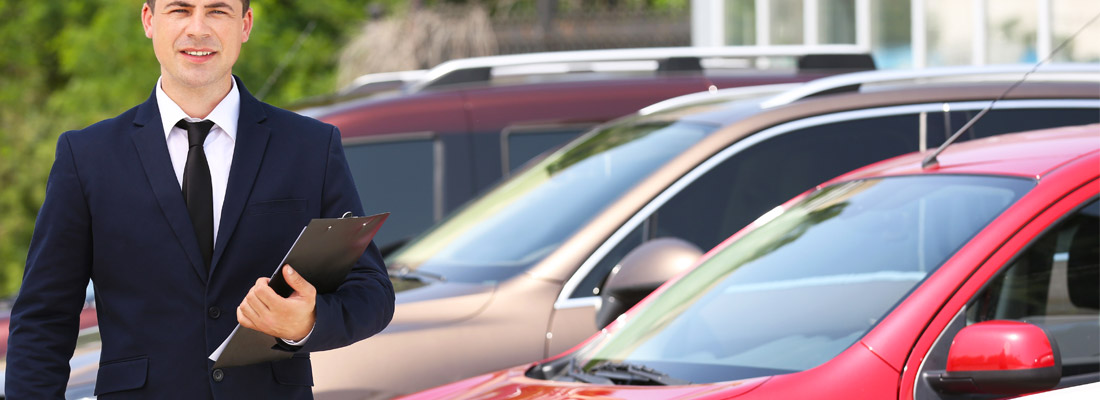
998,122
1055,284
522,144
763,176
409,196
591,284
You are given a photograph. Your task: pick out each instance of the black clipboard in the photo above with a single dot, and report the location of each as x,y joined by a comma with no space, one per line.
323,254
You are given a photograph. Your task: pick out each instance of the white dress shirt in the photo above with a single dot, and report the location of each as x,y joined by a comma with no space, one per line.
218,147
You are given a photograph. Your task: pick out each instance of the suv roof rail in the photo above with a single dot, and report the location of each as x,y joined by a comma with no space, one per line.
381,81
960,74
716,96
836,61
480,69
364,86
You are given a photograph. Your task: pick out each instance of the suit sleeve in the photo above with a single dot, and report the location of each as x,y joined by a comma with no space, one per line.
46,313
363,305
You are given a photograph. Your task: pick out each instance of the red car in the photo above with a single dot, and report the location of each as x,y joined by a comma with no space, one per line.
971,274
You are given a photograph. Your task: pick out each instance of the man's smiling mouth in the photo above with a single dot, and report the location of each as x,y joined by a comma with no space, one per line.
198,53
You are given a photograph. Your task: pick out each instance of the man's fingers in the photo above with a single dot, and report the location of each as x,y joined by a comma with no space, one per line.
245,317
261,297
264,293
297,282
254,309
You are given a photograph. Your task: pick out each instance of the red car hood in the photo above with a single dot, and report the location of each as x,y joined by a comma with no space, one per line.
512,384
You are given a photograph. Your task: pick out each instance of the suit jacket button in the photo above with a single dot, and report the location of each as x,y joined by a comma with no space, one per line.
218,375
214,312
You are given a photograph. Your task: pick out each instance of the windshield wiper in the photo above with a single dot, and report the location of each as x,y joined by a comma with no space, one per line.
408,274
634,374
618,373
573,374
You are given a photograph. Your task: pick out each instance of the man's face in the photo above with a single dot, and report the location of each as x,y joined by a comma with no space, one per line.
196,41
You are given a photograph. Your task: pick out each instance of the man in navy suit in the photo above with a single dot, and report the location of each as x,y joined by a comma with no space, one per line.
175,210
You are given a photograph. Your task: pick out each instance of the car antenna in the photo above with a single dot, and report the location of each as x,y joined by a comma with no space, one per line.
931,160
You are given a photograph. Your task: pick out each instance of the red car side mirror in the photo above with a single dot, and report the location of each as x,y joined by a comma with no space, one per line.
1000,357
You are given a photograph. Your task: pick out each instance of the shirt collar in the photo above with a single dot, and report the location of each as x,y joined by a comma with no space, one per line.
224,115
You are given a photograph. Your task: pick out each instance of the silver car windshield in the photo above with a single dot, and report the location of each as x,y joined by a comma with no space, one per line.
519,222
801,288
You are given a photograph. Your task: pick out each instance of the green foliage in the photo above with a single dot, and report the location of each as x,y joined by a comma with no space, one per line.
67,64
310,68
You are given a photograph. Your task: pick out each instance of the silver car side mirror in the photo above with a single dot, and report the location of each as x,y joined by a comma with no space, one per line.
640,272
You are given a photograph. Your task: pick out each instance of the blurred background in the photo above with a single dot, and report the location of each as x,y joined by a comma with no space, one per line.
66,64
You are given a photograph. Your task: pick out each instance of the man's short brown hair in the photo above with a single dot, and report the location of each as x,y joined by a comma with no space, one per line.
153,4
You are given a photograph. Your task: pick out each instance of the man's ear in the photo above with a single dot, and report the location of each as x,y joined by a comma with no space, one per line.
247,24
147,20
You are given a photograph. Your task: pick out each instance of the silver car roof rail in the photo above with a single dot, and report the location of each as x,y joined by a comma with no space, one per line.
1069,72
717,96
480,69
383,81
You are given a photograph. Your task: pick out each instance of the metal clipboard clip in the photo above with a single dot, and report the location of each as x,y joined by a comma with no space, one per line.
348,214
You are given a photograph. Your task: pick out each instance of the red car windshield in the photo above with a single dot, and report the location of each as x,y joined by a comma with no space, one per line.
800,289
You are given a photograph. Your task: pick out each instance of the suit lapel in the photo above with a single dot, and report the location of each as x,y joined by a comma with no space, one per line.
248,153
152,149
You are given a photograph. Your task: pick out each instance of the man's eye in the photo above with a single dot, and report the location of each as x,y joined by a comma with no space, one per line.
177,11
220,12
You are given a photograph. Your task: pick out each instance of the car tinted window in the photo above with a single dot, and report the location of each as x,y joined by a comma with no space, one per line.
526,145
396,177
998,122
763,176
801,288
1055,284
526,217
591,284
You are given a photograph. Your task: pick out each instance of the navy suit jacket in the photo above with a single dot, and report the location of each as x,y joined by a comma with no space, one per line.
114,213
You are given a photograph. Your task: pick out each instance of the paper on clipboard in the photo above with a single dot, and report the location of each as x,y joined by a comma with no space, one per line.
323,254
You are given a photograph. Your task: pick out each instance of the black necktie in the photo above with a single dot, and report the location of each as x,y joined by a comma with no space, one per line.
198,192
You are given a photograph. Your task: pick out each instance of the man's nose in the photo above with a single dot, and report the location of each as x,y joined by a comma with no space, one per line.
197,24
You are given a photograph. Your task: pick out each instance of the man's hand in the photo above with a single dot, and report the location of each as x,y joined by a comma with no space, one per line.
291,318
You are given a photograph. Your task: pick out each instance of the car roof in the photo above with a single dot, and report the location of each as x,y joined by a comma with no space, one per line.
742,118
868,80
1028,154
931,82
